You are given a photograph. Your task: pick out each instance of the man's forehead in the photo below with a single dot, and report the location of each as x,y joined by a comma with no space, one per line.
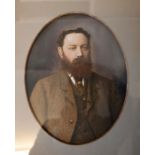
73,38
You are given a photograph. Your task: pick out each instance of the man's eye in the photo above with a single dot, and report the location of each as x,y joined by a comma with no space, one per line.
85,47
72,48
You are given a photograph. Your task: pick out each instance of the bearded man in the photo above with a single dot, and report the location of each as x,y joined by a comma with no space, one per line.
76,105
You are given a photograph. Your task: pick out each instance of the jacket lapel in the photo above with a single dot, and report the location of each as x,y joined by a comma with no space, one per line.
92,93
66,87
69,112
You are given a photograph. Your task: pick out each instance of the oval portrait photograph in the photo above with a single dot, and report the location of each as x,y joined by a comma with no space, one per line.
76,78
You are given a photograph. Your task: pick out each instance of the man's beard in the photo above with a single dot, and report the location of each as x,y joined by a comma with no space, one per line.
79,68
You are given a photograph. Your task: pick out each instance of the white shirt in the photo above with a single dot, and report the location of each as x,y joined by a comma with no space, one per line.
74,81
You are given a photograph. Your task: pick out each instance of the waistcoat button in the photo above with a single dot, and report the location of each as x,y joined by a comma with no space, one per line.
84,99
71,121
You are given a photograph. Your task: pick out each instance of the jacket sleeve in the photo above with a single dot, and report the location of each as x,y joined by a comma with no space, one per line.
38,102
117,99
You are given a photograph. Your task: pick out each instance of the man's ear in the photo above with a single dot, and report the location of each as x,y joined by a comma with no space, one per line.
60,51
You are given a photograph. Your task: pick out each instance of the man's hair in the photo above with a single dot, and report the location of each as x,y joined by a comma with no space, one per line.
62,36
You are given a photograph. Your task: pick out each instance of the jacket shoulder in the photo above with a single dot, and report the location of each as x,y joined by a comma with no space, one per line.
102,79
51,79
48,83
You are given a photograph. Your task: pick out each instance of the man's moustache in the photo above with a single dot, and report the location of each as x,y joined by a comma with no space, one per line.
79,61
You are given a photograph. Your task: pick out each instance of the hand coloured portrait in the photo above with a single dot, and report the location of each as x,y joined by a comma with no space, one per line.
76,78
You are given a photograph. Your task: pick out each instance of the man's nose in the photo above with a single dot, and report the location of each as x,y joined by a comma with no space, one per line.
79,52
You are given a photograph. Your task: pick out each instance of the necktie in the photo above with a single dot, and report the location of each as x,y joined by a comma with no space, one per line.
80,88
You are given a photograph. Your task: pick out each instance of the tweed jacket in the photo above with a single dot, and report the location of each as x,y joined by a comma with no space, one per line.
53,103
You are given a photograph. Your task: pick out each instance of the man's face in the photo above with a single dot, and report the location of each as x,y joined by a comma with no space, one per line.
75,45
75,54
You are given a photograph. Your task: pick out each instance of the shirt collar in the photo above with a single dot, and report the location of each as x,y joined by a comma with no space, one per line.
73,79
